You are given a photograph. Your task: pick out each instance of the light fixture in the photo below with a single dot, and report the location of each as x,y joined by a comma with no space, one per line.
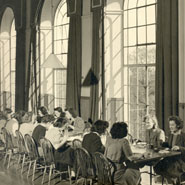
53,62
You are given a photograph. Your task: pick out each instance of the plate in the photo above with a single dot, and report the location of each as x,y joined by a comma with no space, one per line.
163,151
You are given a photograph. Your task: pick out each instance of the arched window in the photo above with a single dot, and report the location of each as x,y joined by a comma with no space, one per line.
61,27
54,40
7,60
130,73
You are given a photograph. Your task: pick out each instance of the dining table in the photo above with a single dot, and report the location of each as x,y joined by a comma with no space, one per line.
151,157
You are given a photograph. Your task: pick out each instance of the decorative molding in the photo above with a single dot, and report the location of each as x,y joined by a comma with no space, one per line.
71,11
93,5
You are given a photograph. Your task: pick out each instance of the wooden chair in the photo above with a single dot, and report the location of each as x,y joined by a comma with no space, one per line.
48,153
103,169
33,155
9,147
84,165
22,152
76,143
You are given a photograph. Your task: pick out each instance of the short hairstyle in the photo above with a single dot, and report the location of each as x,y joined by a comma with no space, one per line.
59,109
99,126
48,118
119,130
43,110
18,115
153,118
177,120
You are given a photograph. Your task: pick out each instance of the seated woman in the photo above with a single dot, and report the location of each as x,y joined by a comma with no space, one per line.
12,123
173,167
42,111
77,124
154,135
92,141
26,124
57,134
40,130
119,152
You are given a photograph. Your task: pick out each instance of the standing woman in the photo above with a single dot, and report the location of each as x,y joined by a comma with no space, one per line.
154,135
173,167
118,151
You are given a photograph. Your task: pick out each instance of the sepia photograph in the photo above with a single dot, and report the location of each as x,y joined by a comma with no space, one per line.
92,92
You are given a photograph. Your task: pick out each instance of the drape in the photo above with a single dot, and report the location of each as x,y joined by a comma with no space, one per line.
34,90
74,58
95,65
166,61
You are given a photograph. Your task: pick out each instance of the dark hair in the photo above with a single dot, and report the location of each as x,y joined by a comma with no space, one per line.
18,115
72,112
99,126
48,118
8,110
119,130
59,109
60,123
177,120
43,110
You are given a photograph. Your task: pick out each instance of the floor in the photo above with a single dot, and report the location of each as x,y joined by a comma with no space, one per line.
13,176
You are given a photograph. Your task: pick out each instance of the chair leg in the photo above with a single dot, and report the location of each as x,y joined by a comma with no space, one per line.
23,160
77,173
9,158
34,167
69,173
50,172
5,157
29,167
19,159
45,168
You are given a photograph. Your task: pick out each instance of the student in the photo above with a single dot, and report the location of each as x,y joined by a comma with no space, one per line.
154,135
173,167
118,151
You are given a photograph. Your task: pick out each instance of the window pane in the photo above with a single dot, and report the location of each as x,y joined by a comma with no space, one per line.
141,3
132,18
141,35
150,15
151,54
126,37
132,55
151,1
141,16
132,36
151,34
133,76
141,54
132,3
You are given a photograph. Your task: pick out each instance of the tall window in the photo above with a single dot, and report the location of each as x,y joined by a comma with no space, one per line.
54,39
13,64
61,27
7,60
139,62
130,44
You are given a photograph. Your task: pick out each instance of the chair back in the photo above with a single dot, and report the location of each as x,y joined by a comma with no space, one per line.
48,151
7,139
20,142
31,147
84,162
103,169
76,143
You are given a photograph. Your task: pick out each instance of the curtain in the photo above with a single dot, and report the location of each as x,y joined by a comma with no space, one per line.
74,64
34,89
95,65
166,61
